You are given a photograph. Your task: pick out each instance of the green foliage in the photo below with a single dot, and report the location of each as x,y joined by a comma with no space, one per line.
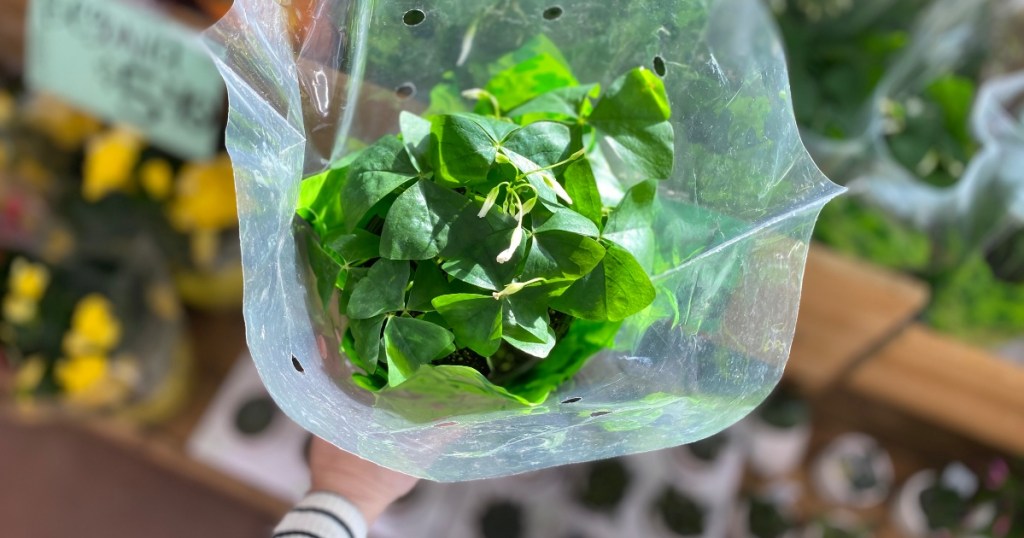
474,255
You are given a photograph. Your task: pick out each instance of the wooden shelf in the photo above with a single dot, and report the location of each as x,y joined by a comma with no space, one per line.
955,385
847,309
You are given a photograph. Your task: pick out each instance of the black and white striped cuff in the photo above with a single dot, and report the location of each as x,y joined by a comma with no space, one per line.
322,515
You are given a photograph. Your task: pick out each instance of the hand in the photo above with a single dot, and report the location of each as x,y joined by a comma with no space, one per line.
370,487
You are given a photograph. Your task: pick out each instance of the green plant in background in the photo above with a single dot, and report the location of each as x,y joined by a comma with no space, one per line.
1004,491
492,251
839,53
943,507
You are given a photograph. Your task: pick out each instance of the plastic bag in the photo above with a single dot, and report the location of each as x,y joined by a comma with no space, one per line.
961,218
308,82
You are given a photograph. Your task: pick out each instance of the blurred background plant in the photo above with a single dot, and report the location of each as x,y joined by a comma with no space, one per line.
102,237
891,99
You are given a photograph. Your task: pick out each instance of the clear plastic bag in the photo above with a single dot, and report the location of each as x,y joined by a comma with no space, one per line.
309,81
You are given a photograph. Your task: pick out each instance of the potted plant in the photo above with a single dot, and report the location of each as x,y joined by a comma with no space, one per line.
777,434
480,218
853,470
936,504
99,332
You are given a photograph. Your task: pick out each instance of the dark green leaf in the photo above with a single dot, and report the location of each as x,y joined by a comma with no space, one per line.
377,172
463,147
475,319
525,323
558,254
630,225
357,247
411,343
417,226
416,136
382,291
582,188
616,289
478,264
355,275
366,335
428,282
325,268
544,143
633,115
550,217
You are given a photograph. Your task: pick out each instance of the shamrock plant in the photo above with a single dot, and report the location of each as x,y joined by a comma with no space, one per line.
472,245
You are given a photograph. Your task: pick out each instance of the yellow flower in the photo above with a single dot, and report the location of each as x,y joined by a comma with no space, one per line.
79,374
102,386
27,279
109,161
205,198
66,126
19,310
29,374
94,328
156,176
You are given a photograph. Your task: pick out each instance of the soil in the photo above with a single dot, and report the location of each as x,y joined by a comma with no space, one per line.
606,485
680,514
502,519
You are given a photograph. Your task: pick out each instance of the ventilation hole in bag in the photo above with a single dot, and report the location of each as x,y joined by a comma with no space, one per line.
297,365
406,90
553,13
572,400
446,424
414,17
659,66
596,414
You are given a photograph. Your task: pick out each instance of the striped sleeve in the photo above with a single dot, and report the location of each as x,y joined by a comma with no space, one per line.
322,515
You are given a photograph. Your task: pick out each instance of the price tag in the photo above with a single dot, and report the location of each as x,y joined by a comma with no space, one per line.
128,64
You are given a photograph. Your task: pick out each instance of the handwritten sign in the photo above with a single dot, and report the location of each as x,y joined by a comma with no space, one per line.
128,64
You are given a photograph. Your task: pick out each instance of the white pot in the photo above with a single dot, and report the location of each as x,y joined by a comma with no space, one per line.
774,452
830,477
906,511
715,481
